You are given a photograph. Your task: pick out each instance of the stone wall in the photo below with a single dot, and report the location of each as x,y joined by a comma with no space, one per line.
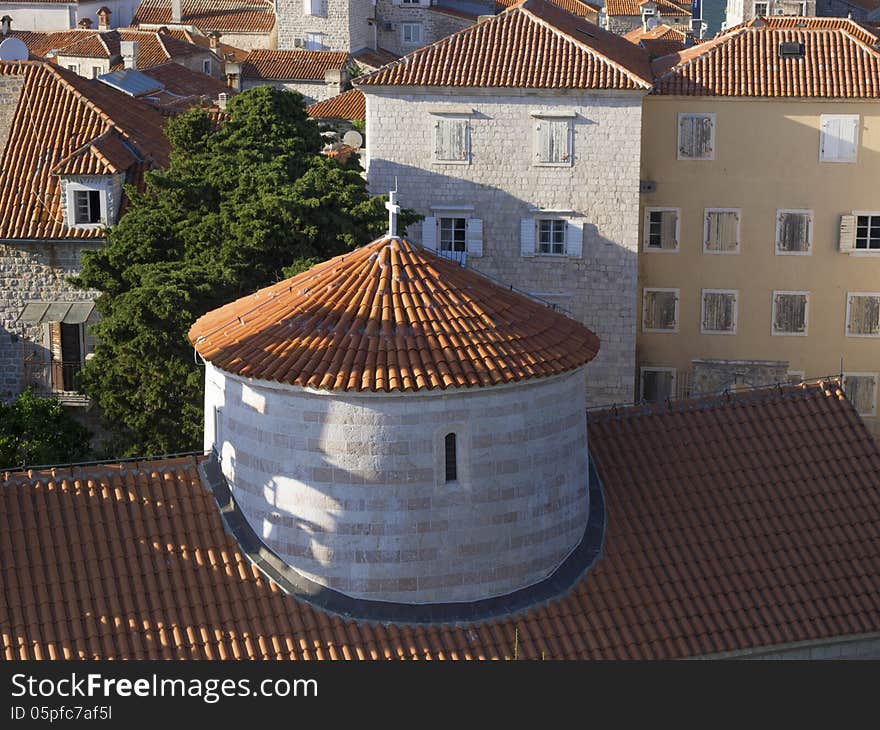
435,25
713,376
344,24
10,91
33,272
501,186
739,11
350,490
312,91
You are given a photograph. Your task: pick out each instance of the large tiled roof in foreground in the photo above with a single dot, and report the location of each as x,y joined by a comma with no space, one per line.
292,65
58,115
391,316
734,524
347,105
535,44
837,62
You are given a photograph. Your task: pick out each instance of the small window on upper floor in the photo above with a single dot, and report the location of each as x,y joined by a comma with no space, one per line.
453,236
411,34
450,458
553,141
863,314
762,9
696,136
839,137
794,232
552,236
660,310
452,140
87,207
661,229
721,230
719,310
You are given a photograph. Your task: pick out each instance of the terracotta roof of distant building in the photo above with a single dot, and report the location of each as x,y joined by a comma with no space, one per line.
590,11
223,50
739,523
347,105
232,16
60,113
391,316
634,7
865,32
745,62
186,83
40,43
455,12
374,58
661,40
292,65
532,45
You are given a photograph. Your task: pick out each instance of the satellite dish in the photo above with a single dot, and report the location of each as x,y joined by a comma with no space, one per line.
653,23
353,139
13,49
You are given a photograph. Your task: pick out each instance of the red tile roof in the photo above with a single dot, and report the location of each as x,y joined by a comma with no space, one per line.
391,316
733,525
60,113
232,16
183,82
371,59
634,7
590,11
224,50
745,62
865,32
105,155
292,65
532,45
347,105
660,40
39,44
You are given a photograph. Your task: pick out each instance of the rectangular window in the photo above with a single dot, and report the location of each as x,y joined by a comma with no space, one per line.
551,236
96,71
721,230
839,137
863,314
761,9
452,140
657,384
660,310
794,231
790,312
867,232
696,136
553,141
313,41
73,67
206,66
87,206
450,458
861,391
453,234
313,7
661,229
411,33
718,315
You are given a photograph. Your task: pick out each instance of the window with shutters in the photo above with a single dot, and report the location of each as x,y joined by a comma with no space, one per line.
794,232
696,136
411,33
87,207
96,71
863,314
660,310
867,232
314,41
657,384
452,140
553,141
718,312
838,137
67,351
721,230
790,312
453,234
314,8
551,236
661,229
861,391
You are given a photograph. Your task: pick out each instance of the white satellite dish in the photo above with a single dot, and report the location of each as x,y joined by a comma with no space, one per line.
12,49
353,138
653,23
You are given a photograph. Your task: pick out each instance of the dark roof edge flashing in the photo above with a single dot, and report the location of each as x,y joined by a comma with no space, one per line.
556,585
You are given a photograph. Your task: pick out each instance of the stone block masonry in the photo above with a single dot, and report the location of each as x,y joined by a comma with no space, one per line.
502,185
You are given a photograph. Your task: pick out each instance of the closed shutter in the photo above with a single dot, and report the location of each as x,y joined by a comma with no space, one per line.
429,233
864,315
668,318
527,237
791,313
839,138
657,385
451,140
722,231
861,390
695,135
56,371
847,233
669,229
718,312
474,236
659,310
849,135
574,238
553,141
794,231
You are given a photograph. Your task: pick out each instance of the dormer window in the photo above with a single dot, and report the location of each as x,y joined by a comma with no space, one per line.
87,207
88,201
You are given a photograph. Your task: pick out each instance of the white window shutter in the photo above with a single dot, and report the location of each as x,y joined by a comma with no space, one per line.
474,236
848,138
429,233
847,233
830,137
574,238
542,151
307,7
527,237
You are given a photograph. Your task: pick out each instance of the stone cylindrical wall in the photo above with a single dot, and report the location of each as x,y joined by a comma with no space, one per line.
349,489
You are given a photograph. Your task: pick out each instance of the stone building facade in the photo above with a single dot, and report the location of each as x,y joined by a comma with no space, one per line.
395,31
337,25
312,91
502,186
739,11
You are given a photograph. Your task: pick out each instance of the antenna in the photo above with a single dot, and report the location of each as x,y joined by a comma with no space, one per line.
393,210
12,49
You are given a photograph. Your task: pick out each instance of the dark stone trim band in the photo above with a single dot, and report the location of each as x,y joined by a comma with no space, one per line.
289,580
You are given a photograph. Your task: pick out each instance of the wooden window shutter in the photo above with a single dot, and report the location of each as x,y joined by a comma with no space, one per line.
429,233
474,236
686,135
791,313
669,229
847,233
668,310
527,237
722,230
558,142
829,133
864,315
848,135
703,140
794,231
56,370
574,238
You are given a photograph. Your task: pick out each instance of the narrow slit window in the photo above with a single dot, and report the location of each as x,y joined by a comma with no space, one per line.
451,458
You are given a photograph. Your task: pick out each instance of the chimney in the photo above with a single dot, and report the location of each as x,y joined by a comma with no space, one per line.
104,14
129,51
6,20
214,39
222,100
176,11
85,23
233,75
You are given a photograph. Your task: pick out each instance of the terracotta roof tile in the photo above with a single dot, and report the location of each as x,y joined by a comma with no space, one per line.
234,16
589,11
373,59
182,81
132,561
347,105
64,113
391,316
633,7
660,40
532,45
224,50
292,65
837,63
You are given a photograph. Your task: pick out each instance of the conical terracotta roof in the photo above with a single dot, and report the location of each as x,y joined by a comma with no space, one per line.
391,316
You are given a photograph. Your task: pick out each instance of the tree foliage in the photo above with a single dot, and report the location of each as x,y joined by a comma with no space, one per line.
36,431
237,206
